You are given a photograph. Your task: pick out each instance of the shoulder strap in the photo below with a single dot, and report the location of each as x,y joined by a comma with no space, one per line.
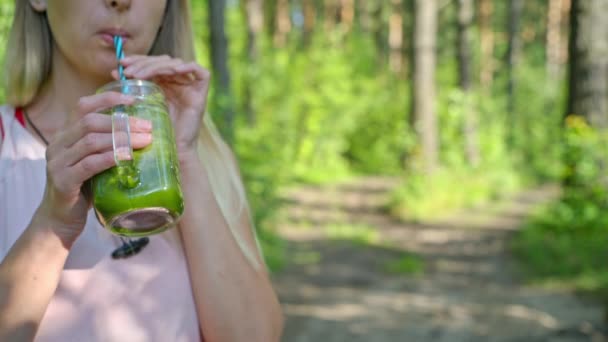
19,116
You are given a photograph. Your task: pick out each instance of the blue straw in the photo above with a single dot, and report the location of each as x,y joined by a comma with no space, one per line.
119,56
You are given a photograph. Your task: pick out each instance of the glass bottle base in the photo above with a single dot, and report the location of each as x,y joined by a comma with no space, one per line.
141,222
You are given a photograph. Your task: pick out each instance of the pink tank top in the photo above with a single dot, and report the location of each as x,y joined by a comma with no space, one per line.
146,297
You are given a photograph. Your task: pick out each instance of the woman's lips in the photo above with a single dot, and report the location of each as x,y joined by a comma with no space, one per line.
108,36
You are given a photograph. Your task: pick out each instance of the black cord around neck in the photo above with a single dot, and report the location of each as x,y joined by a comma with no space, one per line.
29,122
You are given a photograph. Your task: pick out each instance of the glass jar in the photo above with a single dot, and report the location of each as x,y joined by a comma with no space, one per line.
141,195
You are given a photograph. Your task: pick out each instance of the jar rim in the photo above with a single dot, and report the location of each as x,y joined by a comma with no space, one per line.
129,83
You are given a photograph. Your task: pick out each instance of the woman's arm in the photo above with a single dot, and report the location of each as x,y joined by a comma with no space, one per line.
235,302
30,272
29,275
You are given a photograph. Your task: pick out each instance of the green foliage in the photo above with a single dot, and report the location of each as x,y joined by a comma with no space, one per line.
537,123
424,197
565,243
326,131
6,16
407,265
381,136
273,248
534,156
358,234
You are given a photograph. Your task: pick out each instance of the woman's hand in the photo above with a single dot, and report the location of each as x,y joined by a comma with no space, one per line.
77,153
186,86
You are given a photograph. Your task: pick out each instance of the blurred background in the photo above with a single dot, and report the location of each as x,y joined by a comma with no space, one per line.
420,170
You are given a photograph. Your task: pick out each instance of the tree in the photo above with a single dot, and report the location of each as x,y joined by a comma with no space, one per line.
219,62
464,45
347,14
310,18
588,68
555,41
486,33
255,23
425,41
270,17
513,51
283,23
395,36
254,10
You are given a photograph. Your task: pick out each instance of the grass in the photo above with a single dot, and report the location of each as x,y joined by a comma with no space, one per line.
421,198
407,264
306,258
362,235
556,249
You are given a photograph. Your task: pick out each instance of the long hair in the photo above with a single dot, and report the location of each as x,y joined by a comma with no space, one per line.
29,53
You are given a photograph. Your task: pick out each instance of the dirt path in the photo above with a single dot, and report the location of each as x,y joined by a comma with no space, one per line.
336,290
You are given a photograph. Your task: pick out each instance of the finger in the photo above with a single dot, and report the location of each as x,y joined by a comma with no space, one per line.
131,59
174,79
132,69
93,143
185,74
99,102
163,68
200,73
100,123
90,166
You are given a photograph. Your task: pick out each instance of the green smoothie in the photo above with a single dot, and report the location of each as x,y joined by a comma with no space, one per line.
145,198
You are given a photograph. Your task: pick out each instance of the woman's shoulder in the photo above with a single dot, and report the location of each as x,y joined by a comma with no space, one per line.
6,112
6,109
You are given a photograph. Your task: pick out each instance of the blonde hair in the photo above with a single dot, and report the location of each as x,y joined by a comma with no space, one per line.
29,53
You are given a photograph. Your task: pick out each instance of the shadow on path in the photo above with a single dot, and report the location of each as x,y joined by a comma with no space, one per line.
335,289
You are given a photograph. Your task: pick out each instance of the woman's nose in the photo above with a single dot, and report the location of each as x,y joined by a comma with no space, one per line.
120,5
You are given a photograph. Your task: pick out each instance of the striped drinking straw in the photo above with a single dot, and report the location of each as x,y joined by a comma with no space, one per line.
121,136
120,54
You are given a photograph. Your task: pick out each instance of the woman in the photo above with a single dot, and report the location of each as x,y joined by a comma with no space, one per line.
204,280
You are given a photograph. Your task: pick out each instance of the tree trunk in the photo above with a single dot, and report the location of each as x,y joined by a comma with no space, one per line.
219,62
255,23
588,72
425,37
332,14
347,14
465,21
464,42
395,37
513,50
270,17
554,39
566,7
283,24
377,29
486,32
310,18
365,16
